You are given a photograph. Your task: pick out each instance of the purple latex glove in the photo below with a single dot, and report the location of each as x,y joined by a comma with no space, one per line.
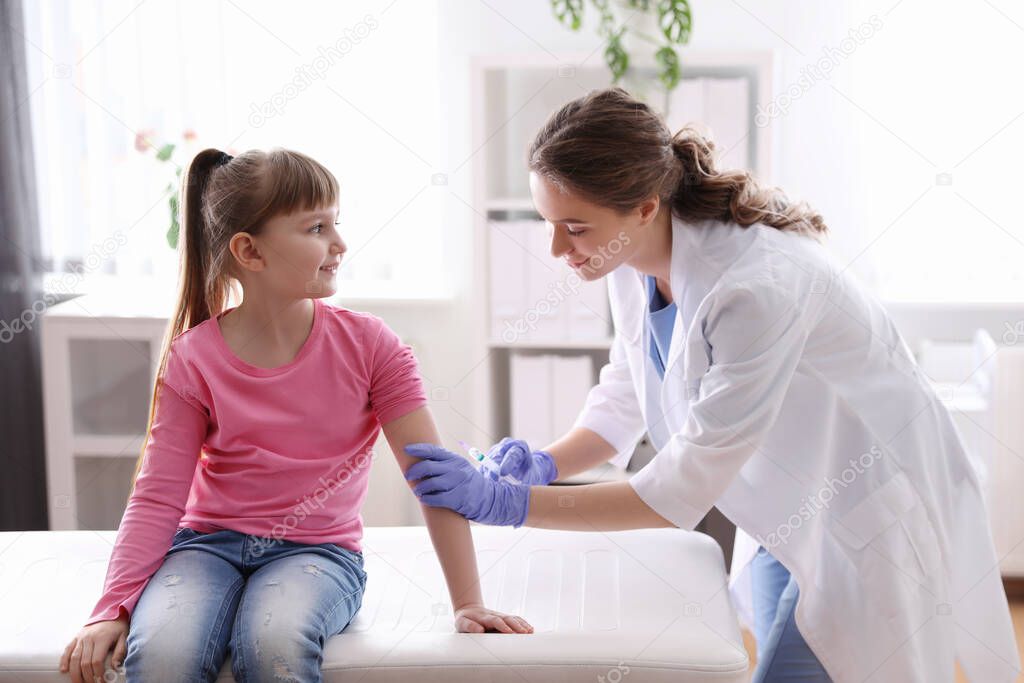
448,480
536,468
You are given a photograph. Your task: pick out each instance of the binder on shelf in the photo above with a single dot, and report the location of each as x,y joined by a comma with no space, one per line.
590,316
507,280
686,104
547,303
531,399
548,392
727,110
535,297
721,108
572,378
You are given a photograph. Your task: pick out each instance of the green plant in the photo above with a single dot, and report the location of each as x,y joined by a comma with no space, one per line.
675,20
165,154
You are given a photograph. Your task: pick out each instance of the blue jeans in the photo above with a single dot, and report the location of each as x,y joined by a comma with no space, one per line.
273,604
782,654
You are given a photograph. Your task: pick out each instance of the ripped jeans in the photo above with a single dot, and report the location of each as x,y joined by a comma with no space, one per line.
272,604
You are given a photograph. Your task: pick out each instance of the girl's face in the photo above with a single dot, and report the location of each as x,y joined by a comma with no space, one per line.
594,240
299,253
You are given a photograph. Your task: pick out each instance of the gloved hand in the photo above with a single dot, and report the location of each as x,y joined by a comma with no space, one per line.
535,468
448,480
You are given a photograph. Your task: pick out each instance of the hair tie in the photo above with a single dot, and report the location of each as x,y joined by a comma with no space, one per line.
224,158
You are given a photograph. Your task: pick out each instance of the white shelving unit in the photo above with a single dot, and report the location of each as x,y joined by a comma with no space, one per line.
100,355
513,96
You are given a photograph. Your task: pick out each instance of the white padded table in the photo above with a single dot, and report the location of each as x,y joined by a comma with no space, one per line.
640,606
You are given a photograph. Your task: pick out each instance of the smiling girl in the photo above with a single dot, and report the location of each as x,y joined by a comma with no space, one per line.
258,410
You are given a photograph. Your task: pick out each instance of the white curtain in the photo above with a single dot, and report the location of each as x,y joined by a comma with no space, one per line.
353,85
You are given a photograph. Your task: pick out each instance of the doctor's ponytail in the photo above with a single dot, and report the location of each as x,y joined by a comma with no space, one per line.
614,150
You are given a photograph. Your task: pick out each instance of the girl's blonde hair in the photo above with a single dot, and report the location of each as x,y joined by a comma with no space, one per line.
614,150
220,196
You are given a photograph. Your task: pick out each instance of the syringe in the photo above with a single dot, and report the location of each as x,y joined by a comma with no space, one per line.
490,468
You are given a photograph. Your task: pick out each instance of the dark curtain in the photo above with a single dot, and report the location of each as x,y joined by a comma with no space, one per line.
22,450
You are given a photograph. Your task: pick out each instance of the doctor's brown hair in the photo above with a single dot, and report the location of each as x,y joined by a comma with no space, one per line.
220,196
614,150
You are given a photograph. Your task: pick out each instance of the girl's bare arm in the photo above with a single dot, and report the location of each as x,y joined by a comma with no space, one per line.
450,534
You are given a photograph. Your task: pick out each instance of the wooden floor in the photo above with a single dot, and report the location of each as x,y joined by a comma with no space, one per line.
1016,611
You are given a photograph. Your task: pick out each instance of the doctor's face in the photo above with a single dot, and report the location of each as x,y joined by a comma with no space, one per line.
594,240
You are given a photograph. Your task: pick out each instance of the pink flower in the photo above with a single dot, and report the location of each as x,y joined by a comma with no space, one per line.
142,140
189,135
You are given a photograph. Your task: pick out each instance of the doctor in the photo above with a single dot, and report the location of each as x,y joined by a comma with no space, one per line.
774,387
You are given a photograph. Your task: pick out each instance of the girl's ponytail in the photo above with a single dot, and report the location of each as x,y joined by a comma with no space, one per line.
197,297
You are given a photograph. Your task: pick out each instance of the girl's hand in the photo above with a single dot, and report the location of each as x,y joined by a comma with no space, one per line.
479,619
87,652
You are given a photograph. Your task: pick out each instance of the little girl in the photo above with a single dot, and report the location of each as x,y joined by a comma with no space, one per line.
243,528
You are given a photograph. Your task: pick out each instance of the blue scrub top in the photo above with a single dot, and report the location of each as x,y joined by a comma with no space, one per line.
661,319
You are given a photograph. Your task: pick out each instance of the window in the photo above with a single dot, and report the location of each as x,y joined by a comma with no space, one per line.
354,86
941,129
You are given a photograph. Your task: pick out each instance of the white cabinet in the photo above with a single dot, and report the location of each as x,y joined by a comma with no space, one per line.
99,358
1006,479
982,385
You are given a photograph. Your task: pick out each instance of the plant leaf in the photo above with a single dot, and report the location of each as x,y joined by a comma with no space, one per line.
569,12
165,152
675,20
669,73
172,232
172,235
615,57
607,25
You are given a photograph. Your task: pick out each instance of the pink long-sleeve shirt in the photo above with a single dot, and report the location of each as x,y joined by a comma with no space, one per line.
281,453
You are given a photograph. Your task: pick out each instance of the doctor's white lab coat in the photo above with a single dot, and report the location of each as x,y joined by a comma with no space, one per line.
791,402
